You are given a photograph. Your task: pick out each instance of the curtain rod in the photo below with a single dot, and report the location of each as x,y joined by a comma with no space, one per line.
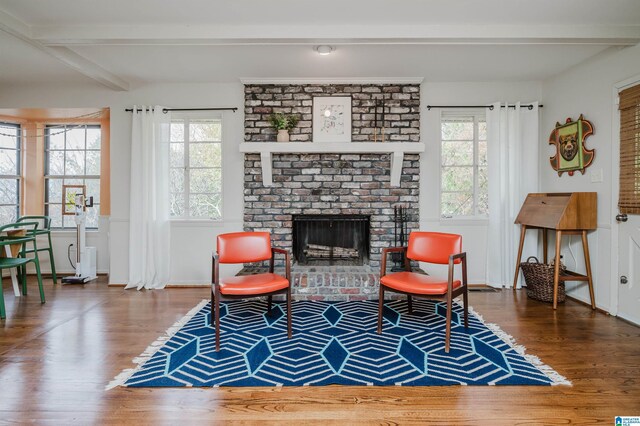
529,107
166,110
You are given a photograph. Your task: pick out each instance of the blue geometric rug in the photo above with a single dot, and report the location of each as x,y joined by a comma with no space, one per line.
334,343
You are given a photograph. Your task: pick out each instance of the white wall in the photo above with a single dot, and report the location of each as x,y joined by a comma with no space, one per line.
474,232
192,244
588,89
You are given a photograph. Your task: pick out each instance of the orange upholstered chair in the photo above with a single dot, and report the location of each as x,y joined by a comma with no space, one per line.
429,247
247,247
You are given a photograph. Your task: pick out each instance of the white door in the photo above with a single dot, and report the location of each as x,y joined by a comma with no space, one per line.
629,268
628,279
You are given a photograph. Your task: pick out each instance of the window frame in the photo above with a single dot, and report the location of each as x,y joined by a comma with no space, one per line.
18,175
47,176
186,118
478,116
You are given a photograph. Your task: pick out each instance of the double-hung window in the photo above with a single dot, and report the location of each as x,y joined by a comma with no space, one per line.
195,187
463,166
10,137
72,157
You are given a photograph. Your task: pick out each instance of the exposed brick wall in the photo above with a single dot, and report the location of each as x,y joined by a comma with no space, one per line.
329,184
402,110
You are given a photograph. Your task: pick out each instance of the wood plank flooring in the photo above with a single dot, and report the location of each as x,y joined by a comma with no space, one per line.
55,360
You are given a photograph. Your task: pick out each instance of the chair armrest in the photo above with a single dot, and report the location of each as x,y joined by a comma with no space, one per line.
462,255
385,252
287,260
452,258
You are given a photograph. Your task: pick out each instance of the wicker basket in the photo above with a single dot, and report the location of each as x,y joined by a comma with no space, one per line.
539,279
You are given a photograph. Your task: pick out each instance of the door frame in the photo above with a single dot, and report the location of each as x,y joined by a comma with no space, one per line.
615,187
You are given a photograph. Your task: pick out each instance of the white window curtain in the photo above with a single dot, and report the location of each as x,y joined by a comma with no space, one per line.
513,172
149,227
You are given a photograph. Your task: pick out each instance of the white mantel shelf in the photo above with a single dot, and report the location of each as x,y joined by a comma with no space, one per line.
396,149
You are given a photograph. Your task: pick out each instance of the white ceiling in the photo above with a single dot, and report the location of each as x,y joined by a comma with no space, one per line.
124,43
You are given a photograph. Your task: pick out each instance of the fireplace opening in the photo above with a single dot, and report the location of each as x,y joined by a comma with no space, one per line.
331,239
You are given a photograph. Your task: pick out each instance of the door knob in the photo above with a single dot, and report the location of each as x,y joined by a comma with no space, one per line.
622,217
624,279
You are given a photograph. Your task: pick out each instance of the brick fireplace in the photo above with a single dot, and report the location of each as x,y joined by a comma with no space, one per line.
328,183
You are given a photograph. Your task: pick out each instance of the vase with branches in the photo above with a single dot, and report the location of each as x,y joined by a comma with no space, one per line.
283,123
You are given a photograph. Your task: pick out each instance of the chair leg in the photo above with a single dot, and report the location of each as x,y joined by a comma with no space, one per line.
380,307
3,313
217,318
409,304
269,302
448,333
22,272
289,332
465,299
53,263
39,276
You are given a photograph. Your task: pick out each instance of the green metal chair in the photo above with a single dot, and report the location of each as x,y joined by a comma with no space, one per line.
44,228
20,262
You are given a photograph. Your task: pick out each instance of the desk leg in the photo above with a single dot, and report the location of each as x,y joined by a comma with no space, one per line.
556,270
12,271
523,231
587,262
545,241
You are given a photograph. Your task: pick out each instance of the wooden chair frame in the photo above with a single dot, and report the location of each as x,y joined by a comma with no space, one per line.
448,296
216,296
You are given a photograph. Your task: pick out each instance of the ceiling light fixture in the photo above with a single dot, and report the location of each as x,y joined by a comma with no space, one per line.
324,49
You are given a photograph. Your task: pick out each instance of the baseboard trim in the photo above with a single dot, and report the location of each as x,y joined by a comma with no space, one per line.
582,302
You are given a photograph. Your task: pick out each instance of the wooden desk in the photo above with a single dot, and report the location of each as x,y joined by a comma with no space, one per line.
572,213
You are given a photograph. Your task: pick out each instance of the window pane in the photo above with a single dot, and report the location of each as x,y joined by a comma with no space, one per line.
8,141
176,202
8,192
8,162
74,181
93,163
205,206
177,131
176,155
75,138
54,190
457,153
205,155
176,180
55,213
482,130
92,217
457,204
458,130
93,190
457,179
482,153
205,180
74,163
205,130
94,138
8,214
56,163
56,137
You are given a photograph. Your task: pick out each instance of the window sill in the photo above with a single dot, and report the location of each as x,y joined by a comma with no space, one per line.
465,221
189,223
65,232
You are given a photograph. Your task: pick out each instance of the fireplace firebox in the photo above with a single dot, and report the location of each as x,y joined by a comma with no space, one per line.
331,239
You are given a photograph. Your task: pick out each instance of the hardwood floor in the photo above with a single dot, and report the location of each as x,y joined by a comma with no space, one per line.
55,360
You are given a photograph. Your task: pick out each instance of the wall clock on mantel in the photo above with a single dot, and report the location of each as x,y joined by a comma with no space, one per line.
571,152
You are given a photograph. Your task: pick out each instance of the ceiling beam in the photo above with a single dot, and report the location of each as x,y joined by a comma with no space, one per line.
611,35
21,31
